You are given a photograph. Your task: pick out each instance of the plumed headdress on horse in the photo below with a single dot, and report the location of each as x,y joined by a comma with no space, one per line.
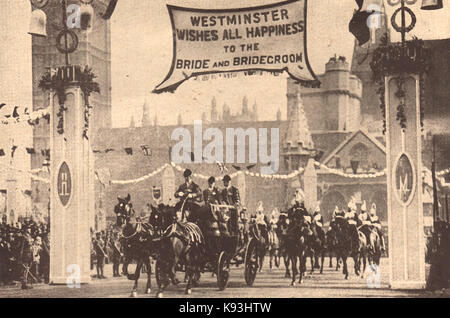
373,209
336,209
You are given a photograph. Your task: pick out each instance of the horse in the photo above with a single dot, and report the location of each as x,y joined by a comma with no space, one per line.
138,239
181,243
274,246
347,244
331,245
282,229
261,234
373,244
296,239
317,247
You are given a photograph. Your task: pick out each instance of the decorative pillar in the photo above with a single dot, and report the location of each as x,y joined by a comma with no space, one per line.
404,181
168,185
69,177
310,185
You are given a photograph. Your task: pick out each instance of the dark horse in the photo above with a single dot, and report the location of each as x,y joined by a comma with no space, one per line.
182,243
332,245
282,227
348,244
138,238
317,247
261,234
298,233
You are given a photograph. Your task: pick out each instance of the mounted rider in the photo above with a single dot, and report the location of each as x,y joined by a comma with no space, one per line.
375,221
352,218
318,222
298,210
366,224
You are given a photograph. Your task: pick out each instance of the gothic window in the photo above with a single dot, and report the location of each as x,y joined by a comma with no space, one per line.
360,153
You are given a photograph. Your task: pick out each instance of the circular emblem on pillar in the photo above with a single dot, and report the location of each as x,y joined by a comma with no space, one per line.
404,180
64,184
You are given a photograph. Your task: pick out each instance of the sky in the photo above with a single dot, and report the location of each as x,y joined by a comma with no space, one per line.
142,55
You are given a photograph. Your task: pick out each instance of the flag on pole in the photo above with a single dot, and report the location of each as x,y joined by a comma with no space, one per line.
358,25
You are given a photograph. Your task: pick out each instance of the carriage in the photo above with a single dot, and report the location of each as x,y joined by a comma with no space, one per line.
232,247
235,249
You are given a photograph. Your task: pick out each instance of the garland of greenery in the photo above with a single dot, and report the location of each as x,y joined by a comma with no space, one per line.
397,59
85,80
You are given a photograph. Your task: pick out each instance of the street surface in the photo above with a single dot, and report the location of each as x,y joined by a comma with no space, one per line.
268,283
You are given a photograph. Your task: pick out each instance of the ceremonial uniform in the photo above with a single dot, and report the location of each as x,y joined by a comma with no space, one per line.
375,221
100,256
116,255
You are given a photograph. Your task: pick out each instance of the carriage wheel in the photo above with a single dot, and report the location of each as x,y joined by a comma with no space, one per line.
251,262
223,271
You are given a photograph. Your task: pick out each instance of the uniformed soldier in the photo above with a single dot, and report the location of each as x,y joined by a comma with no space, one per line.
116,253
375,221
352,218
100,255
318,222
298,209
317,217
366,224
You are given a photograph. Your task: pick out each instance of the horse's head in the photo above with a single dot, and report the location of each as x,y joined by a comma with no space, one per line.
283,222
162,216
123,210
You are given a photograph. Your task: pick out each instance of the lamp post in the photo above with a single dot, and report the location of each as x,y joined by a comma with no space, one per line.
399,68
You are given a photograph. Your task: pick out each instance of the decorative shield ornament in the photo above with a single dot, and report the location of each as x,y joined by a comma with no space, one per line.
156,193
404,179
64,184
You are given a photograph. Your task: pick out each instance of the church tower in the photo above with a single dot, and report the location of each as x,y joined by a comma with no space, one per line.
146,121
255,112
214,112
298,145
362,56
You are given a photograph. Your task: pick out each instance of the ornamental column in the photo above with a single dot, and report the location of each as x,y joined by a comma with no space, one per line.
404,182
69,176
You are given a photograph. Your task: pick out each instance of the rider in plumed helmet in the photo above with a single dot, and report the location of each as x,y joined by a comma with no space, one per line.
298,209
375,221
